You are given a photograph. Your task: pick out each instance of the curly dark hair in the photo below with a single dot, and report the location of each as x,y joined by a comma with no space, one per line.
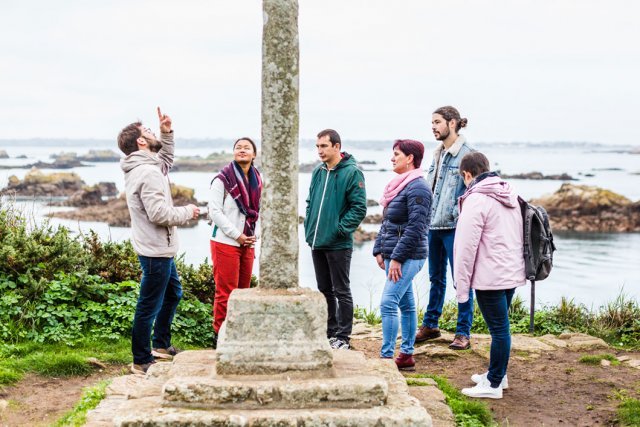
128,137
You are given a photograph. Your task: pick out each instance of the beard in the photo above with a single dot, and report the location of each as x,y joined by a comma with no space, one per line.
154,144
443,135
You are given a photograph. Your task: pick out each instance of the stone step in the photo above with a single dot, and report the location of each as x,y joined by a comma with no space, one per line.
347,392
148,412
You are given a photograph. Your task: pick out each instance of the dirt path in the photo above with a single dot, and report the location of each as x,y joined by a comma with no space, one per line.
546,388
40,401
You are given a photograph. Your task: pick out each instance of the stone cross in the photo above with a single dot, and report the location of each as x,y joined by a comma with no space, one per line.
280,87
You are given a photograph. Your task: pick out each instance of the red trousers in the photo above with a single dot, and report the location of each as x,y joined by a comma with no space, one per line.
232,267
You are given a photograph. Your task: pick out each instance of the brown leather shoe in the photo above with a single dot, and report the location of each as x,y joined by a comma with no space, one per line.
405,362
460,342
425,333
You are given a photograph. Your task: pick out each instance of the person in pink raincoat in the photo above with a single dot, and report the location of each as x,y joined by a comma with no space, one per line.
488,257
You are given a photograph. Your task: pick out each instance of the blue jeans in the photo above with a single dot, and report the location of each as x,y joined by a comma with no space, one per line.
494,306
399,295
160,293
441,250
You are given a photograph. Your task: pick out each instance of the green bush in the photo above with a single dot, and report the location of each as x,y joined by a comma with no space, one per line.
56,287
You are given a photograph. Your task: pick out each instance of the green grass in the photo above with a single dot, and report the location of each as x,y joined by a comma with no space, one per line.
91,397
370,315
594,359
629,412
59,360
468,413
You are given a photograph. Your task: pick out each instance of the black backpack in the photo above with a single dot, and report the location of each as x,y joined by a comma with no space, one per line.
538,247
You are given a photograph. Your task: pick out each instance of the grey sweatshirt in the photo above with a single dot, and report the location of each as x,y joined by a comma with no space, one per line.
153,216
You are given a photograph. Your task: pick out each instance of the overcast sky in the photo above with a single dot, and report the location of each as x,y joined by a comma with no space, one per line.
556,70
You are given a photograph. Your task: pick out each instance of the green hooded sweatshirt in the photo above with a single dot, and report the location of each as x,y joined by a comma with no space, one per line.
336,205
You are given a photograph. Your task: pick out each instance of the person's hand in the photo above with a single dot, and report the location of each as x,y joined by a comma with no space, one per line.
380,261
395,270
195,211
165,122
245,240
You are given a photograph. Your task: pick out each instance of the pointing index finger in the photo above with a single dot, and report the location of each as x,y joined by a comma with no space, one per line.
159,113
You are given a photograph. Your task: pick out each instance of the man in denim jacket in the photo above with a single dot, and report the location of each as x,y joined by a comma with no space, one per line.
447,185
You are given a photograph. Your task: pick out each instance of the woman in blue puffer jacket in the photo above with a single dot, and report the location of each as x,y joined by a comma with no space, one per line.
401,247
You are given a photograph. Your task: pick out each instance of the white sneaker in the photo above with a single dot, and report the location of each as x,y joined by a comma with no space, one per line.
338,344
483,389
476,378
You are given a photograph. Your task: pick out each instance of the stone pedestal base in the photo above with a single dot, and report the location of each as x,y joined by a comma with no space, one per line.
269,331
154,400
351,385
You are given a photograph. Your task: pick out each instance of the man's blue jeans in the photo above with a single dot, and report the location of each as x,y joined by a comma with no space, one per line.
399,295
160,293
494,306
441,250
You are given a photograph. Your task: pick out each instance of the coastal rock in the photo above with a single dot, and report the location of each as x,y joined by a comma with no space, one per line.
38,184
213,163
88,196
100,156
539,176
115,211
373,219
308,167
371,202
3,154
589,208
360,236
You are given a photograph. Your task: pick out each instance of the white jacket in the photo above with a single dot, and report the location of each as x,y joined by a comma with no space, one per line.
228,221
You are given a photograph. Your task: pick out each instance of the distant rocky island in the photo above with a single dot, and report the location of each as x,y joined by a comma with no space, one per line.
98,203
69,160
538,176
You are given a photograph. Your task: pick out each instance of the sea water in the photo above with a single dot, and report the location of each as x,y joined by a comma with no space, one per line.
591,268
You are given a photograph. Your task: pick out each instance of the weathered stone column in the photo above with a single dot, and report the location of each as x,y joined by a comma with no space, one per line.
278,328
279,210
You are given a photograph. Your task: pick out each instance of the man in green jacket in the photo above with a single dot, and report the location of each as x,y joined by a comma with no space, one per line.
336,205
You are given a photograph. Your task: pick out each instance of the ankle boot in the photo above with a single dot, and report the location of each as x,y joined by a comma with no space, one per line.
405,362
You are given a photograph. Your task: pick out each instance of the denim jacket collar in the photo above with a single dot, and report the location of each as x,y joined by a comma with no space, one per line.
453,150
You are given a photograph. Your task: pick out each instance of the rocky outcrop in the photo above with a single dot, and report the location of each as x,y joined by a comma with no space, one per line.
539,176
59,163
90,196
592,209
212,163
310,166
38,184
3,154
91,156
361,236
98,156
373,219
115,211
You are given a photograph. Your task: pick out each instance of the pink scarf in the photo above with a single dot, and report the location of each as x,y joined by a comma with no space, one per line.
397,184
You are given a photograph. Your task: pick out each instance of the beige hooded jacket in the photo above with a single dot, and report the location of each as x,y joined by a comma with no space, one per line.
153,216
